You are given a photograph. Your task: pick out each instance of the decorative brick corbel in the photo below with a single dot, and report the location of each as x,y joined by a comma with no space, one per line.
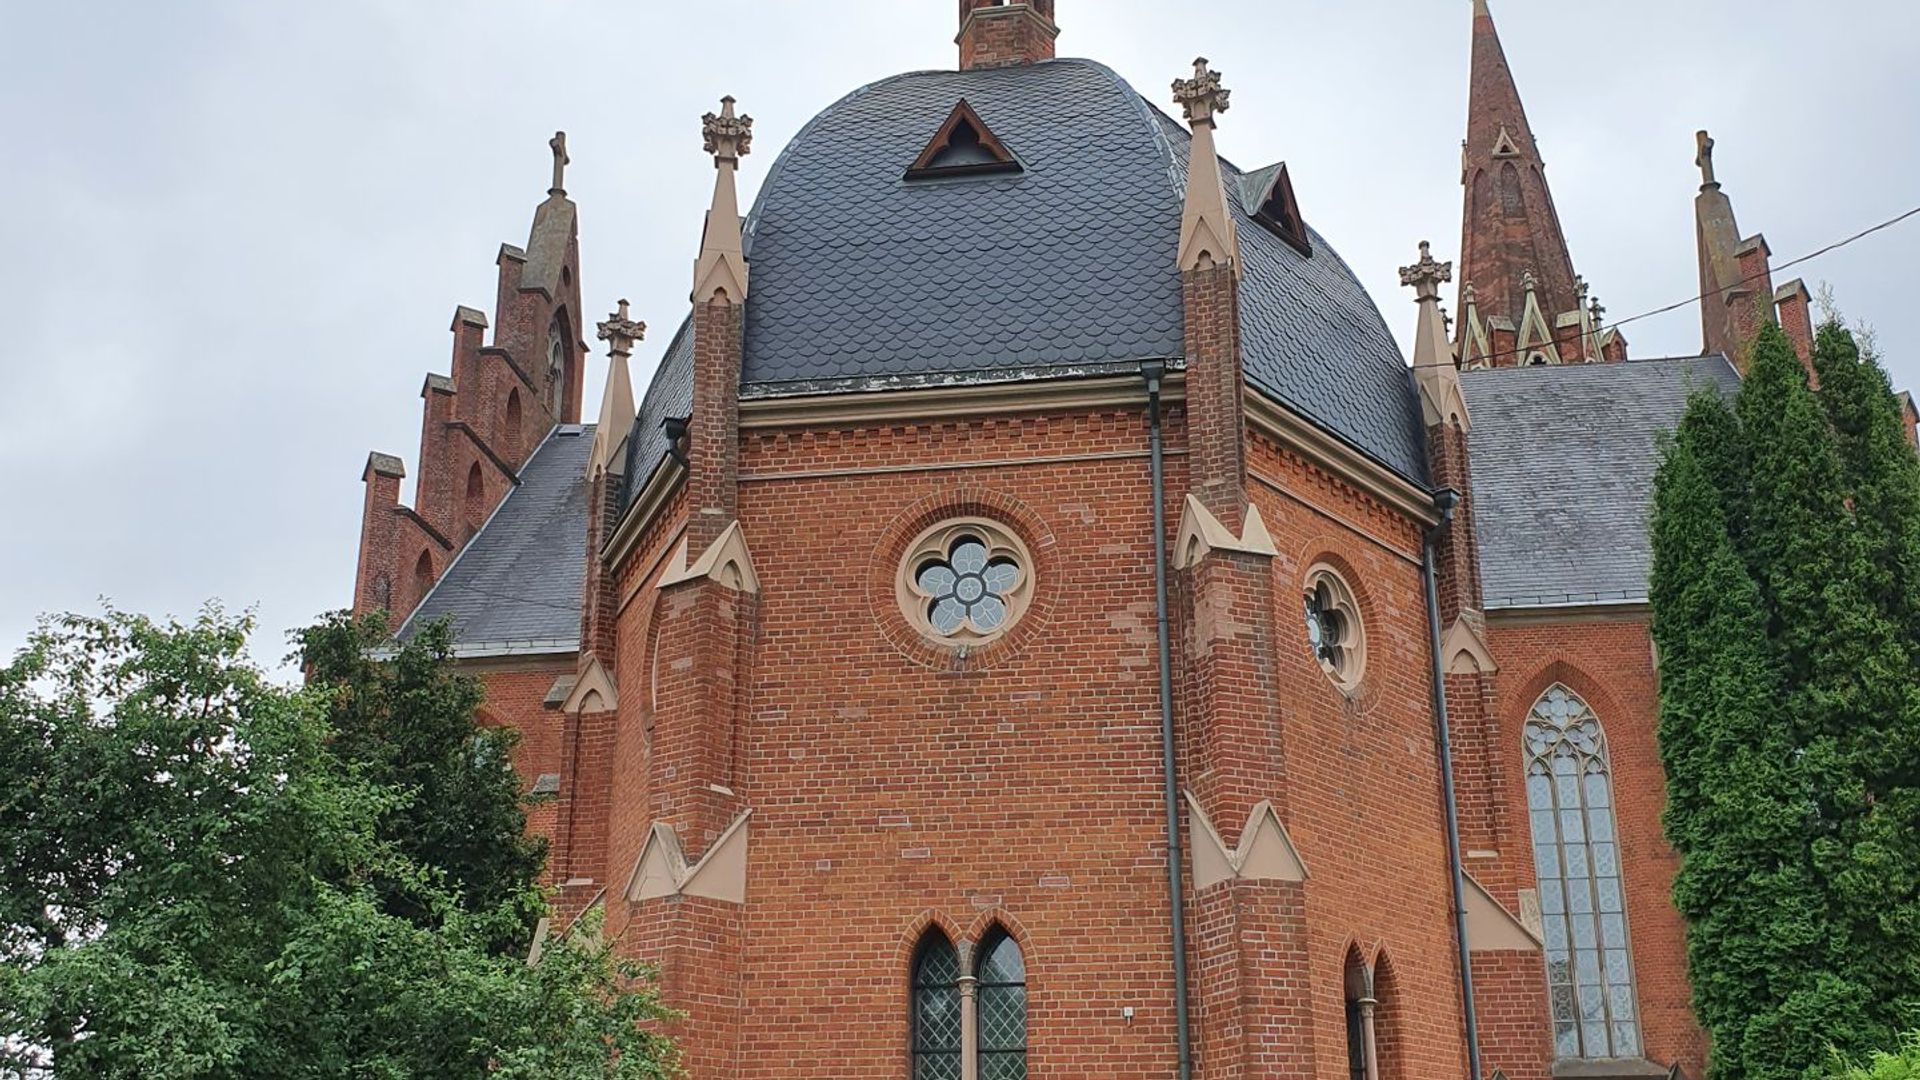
662,870
1201,532
726,561
1265,851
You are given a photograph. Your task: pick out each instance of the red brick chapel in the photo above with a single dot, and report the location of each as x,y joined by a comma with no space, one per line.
1036,622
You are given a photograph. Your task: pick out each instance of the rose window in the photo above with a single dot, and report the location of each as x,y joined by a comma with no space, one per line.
965,582
1334,632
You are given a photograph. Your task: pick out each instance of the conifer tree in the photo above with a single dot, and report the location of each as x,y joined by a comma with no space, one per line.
1800,871
1736,812
1881,469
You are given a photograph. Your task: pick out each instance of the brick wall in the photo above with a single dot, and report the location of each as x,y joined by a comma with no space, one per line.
1609,663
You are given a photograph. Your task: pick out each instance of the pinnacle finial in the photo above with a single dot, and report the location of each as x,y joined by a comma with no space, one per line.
1704,159
727,137
1201,96
558,144
620,331
1426,276
1597,311
1466,294
1579,287
1528,281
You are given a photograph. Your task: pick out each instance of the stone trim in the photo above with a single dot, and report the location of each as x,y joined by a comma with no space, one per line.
935,543
1491,927
593,691
661,870
1200,532
1265,851
1464,650
1349,677
948,402
726,561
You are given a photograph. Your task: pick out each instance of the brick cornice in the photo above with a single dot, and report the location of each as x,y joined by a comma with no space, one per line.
1293,431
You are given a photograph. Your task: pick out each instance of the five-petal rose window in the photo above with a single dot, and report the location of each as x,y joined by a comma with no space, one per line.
1334,631
965,581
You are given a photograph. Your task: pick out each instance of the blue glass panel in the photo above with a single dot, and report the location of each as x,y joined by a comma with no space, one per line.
1599,792
969,556
1552,898
1583,935
1573,826
1580,899
1609,890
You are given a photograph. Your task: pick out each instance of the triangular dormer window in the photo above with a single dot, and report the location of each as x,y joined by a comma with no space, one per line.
1279,211
1503,144
964,146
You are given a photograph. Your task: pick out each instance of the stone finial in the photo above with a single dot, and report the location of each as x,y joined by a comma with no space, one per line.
1528,281
727,137
1596,311
1467,295
558,144
1201,96
1207,234
620,332
1579,287
1704,159
1434,370
1426,276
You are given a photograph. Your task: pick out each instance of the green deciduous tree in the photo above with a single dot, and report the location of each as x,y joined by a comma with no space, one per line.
191,891
1790,712
402,715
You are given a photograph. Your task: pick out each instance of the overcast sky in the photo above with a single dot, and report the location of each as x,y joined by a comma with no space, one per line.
237,230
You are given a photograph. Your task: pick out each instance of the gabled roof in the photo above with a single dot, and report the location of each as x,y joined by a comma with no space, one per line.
515,588
1563,458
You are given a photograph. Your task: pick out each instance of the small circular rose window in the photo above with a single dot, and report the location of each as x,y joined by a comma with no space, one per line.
1334,632
965,581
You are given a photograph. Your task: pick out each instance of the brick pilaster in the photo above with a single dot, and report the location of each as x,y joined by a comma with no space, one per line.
714,432
1215,393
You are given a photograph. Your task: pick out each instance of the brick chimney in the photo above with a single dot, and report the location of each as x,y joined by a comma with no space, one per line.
1003,33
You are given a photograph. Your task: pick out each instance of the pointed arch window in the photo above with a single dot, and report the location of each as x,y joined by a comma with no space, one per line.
1577,861
936,1009
556,367
1002,993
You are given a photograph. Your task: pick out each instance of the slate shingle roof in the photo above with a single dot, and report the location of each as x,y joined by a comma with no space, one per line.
1563,460
862,280
517,584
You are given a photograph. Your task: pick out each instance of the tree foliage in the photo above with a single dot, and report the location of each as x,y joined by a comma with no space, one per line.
197,886
1790,709
400,713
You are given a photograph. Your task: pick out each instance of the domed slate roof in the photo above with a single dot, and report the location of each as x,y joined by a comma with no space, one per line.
862,280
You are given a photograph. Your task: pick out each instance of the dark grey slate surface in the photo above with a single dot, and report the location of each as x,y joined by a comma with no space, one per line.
862,280
518,583
1563,460
669,396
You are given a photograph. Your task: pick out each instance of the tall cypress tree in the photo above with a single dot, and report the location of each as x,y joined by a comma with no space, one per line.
1791,710
1737,811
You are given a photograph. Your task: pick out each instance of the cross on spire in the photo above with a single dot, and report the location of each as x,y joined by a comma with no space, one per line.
620,331
727,137
1201,96
1705,159
1426,276
558,144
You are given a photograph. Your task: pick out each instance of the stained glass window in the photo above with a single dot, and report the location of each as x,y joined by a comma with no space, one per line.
556,367
1002,1003
1577,861
964,582
936,1010
1356,1042
1334,632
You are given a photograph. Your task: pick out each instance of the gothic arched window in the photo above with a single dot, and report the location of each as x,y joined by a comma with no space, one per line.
1003,1009
1512,203
1577,860
936,1009
556,367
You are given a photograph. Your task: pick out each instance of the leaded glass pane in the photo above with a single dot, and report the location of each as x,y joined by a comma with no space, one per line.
1001,1005
936,1011
1003,1018
1577,866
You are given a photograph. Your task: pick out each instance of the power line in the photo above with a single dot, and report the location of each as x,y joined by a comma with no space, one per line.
1678,304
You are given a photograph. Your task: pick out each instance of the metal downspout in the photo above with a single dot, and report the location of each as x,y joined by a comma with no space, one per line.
1446,499
1153,371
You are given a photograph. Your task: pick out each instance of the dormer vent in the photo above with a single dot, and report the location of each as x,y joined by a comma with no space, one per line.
1270,195
964,146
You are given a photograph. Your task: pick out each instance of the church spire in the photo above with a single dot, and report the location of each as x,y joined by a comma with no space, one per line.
1509,227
